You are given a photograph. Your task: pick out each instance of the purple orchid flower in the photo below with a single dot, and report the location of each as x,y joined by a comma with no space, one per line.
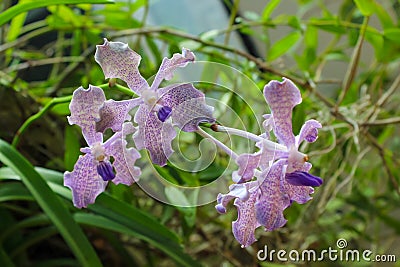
281,171
160,109
102,162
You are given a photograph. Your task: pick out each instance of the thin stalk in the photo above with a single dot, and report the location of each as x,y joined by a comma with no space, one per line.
248,135
232,18
33,118
355,59
226,149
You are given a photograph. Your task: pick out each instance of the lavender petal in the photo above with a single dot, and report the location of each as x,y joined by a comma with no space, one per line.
245,225
308,132
117,60
282,97
114,113
124,162
235,191
168,66
84,107
247,163
300,194
84,181
188,106
272,201
153,135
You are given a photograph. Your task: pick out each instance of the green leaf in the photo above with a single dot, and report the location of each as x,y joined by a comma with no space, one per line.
392,34
72,148
141,224
366,7
328,24
51,205
266,15
283,45
14,191
5,260
23,7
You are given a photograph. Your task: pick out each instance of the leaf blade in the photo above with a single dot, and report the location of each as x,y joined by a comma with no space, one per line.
51,205
23,7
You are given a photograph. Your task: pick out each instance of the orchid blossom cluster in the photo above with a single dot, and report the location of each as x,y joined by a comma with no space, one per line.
266,182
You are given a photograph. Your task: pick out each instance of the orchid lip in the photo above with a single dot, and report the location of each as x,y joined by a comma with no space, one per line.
164,113
105,170
300,178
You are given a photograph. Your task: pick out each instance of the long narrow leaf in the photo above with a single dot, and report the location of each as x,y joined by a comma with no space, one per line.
120,216
5,260
20,8
51,205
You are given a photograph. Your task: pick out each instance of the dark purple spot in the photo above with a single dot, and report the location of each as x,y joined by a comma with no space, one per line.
312,135
164,113
105,170
300,178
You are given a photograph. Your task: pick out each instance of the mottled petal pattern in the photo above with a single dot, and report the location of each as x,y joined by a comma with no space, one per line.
235,191
114,113
308,132
272,201
245,225
282,97
168,66
188,105
84,107
154,135
124,162
247,163
84,181
119,61
269,154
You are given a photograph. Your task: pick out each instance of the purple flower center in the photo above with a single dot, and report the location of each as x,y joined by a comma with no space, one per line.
105,170
301,178
164,113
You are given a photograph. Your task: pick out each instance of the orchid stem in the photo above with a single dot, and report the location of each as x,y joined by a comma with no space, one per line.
248,135
226,149
31,119
122,89
245,134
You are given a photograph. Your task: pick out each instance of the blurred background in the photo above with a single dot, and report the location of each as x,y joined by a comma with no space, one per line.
343,55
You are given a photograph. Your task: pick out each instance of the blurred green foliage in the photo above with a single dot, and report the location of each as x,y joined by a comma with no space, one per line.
345,59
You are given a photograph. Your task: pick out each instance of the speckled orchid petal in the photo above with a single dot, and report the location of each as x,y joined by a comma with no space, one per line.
188,105
114,113
235,191
117,60
84,107
244,227
124,162
169,65
84,181
282,97
154,135
247,163
268,125
270,152
308,132
272,201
